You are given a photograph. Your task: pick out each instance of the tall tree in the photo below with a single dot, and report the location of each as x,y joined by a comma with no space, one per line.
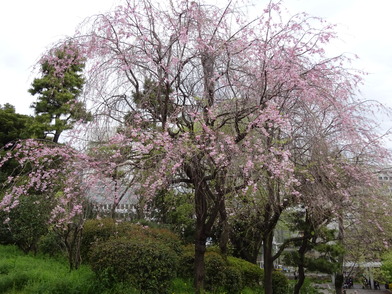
61,83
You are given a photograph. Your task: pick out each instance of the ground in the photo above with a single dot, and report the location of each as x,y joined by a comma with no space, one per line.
357,289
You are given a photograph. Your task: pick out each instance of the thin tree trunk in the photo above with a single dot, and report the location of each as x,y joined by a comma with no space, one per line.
200,236
268,262
301,266
224,237
56,136
339,275
200,249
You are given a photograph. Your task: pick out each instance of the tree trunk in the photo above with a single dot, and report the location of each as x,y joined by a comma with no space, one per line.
71,238
200,236
301,265
207,206
56,136
268,262
339,275
224,236
200,249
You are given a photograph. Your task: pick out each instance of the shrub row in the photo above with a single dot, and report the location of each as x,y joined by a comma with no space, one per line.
149,259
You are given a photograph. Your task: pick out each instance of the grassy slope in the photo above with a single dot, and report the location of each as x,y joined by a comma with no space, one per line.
20,273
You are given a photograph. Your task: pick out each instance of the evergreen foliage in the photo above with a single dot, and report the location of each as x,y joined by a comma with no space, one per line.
57,107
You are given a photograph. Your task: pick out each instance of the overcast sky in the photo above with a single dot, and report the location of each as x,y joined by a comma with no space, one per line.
28,27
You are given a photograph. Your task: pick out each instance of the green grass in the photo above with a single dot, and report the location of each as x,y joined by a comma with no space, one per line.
20,273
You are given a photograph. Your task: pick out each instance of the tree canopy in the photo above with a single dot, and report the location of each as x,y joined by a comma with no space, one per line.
14,126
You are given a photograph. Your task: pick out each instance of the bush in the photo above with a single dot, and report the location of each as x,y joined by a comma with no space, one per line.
28,222
51,244
233,280
145,263
215,267
229,275
252,274
187,262
95,231
13,281
280,283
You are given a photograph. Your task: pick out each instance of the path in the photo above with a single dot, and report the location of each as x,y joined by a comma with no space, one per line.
328,289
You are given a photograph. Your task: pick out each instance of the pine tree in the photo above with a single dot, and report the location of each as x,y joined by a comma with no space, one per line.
57,107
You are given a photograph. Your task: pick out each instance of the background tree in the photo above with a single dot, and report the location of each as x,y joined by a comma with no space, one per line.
57,107
28,222
15,126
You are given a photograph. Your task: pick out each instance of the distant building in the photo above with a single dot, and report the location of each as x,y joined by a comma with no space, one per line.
385,178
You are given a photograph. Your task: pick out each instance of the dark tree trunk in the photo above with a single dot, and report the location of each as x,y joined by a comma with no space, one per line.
268,261
224,237
200,249
339,275
56,136
72,239
205,218
301,265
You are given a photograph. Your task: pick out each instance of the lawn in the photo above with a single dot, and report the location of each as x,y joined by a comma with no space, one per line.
20,273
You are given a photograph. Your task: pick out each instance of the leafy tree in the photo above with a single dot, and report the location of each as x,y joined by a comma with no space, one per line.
61,83
386,267
15,126
176,210
27,223
229,109
316,250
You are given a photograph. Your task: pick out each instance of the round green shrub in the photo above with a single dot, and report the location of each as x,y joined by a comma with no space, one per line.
280,283
51,244
187,262
233,280
215,266
145,263
229,275
252,274
167,237
161,234
94,231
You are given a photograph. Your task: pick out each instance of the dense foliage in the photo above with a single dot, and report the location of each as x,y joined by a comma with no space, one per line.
144,263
